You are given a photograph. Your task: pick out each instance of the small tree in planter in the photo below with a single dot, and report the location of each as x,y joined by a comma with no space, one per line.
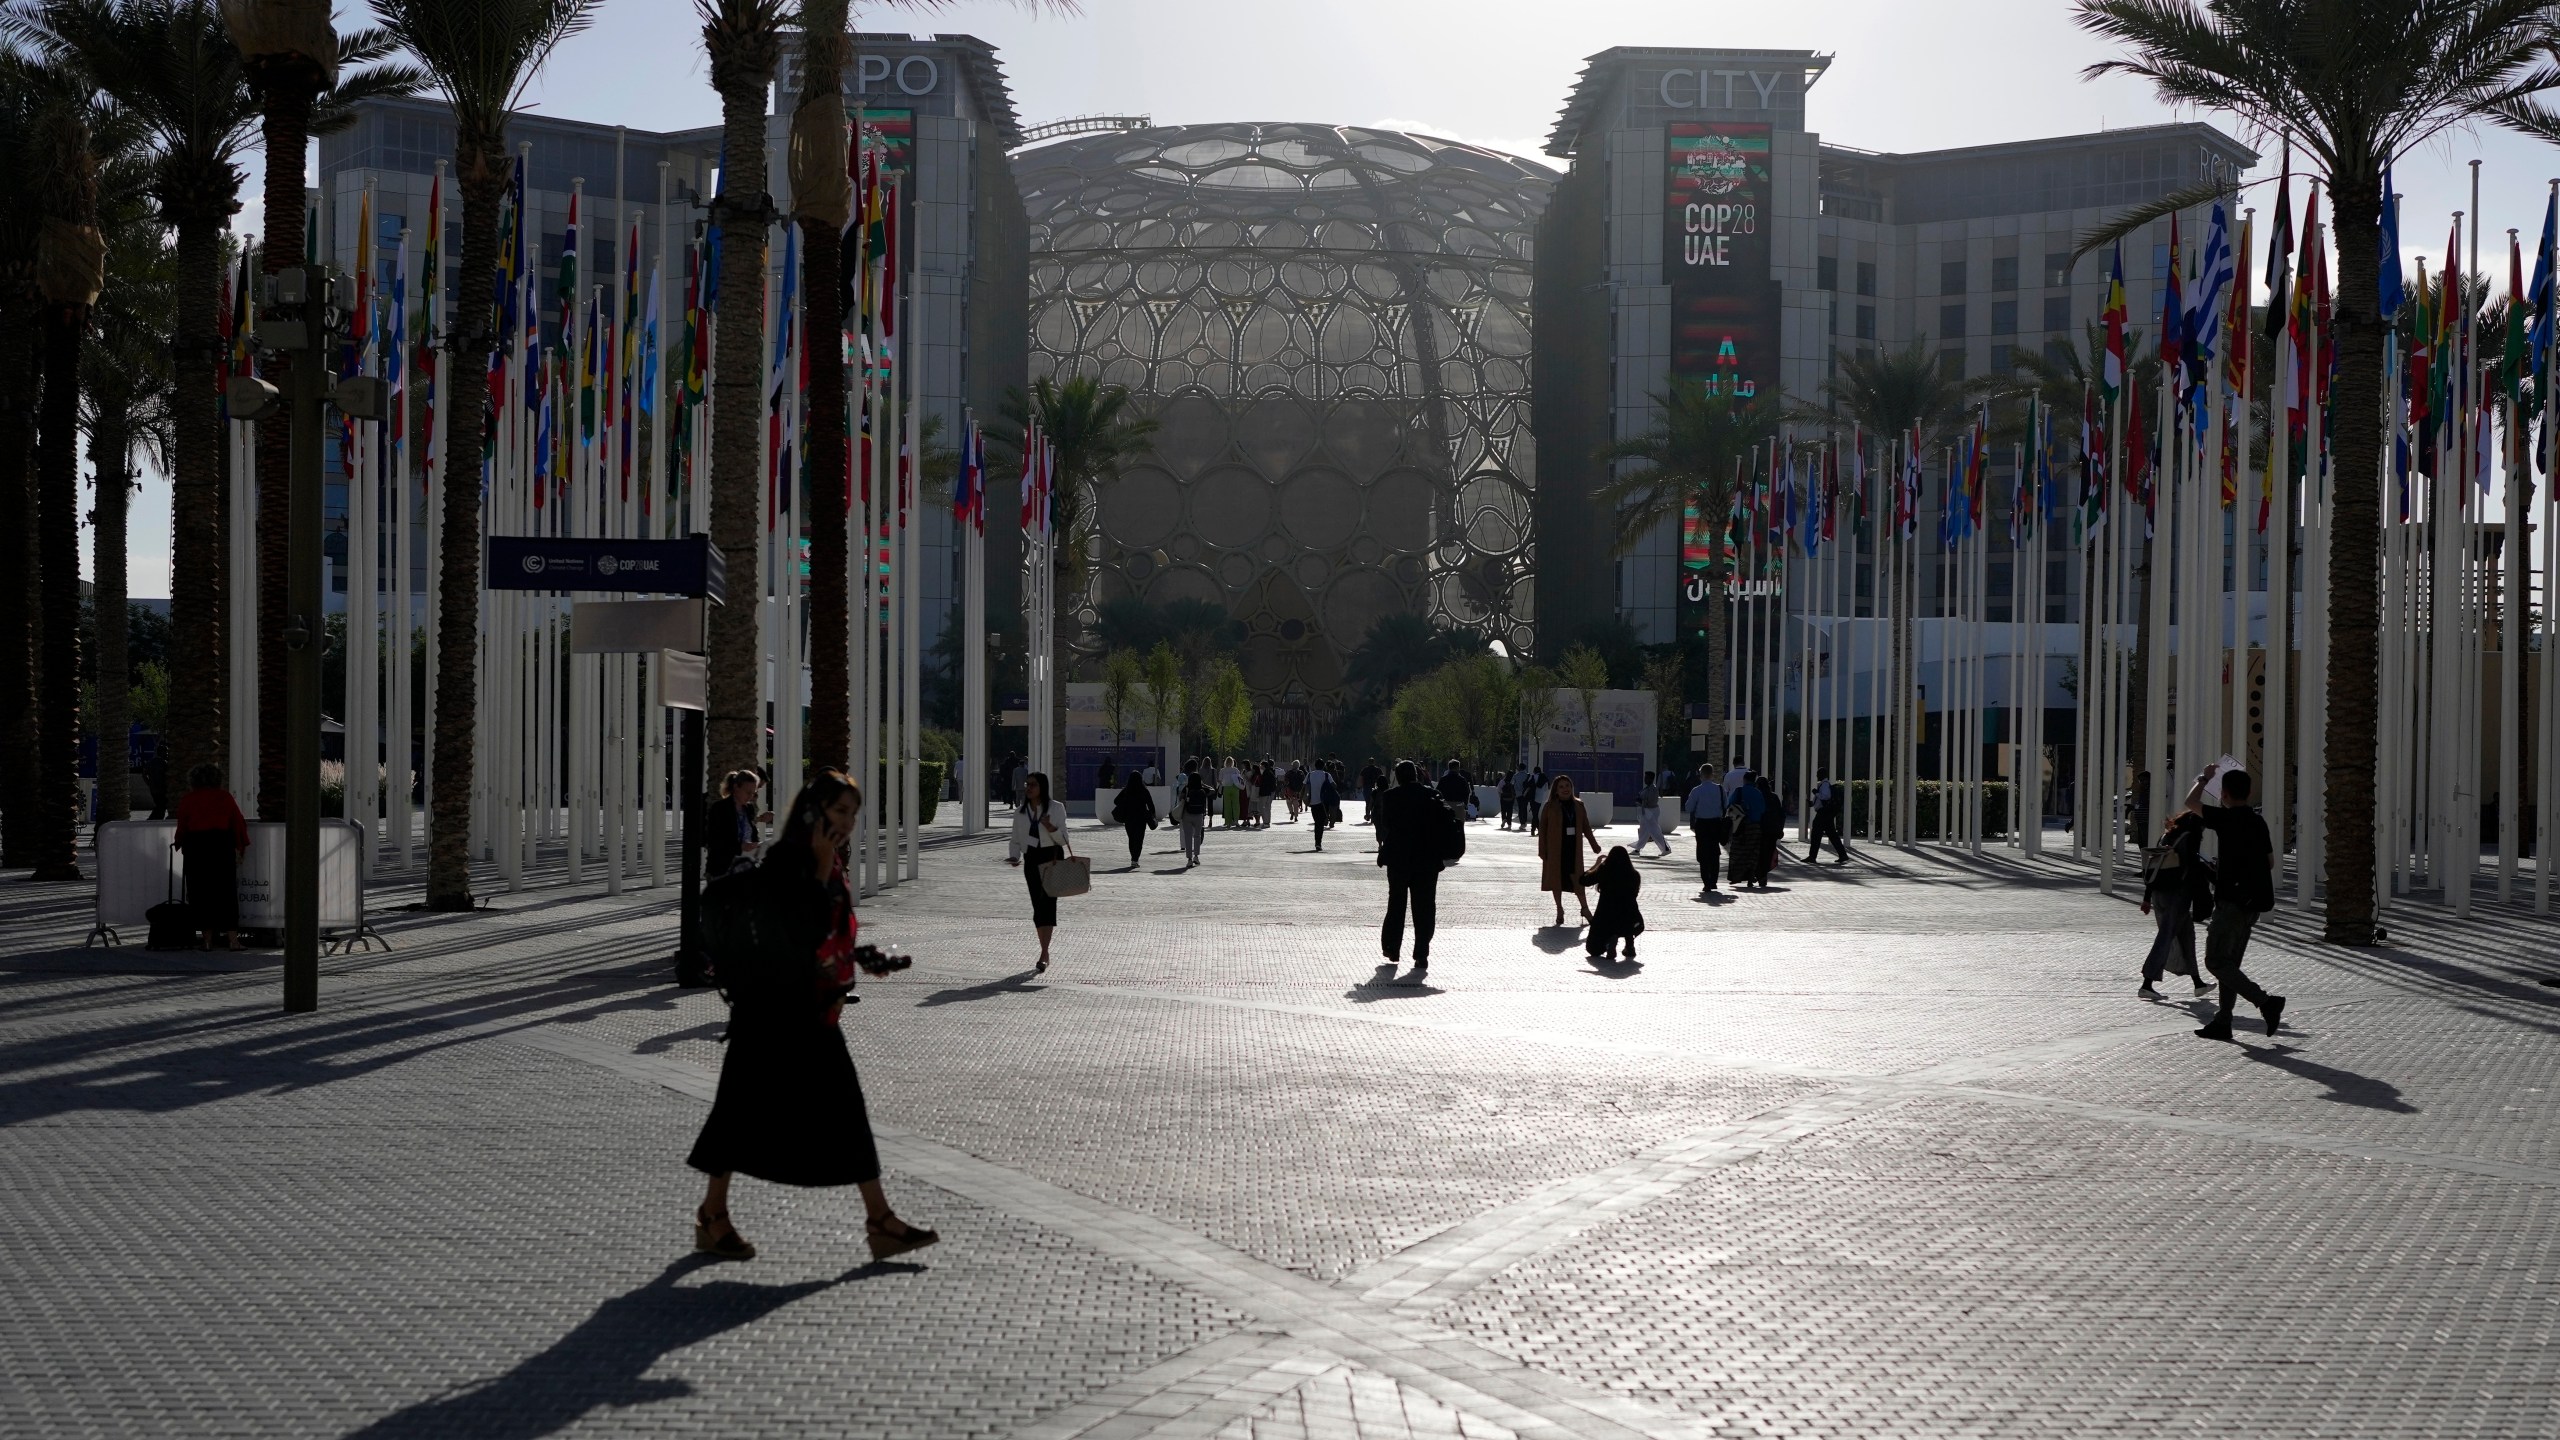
1122,676
1226,707
1537,707
1161,690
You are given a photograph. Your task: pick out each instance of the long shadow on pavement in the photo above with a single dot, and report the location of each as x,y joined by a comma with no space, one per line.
172,1063
1018,983
2345,1086
605,1361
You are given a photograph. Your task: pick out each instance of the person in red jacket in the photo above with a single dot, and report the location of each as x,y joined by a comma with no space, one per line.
212,836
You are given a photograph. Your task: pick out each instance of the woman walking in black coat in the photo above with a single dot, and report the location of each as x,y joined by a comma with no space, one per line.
789,1108
1135,809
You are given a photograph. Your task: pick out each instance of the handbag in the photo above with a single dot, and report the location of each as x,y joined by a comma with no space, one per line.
1069,874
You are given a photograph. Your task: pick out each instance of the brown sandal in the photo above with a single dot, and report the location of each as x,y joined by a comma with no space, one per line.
713,1235
908,1237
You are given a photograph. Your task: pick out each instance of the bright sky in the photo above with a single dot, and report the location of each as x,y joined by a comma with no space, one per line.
1906,77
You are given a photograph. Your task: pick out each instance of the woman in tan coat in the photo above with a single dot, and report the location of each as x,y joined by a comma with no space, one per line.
1564,828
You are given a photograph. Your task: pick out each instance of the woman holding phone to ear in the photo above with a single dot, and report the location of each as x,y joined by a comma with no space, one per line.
789,1108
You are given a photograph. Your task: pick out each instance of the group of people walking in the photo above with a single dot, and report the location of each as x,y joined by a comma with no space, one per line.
2229,890
1738,821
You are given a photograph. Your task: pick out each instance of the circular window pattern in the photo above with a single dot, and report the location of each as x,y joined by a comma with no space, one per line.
1327,325
1230,507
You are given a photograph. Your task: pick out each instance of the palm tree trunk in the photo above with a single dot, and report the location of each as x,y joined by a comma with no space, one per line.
480,169
57,749
194,733
2355,524
733,727
18,573
830,739
110,449
285,88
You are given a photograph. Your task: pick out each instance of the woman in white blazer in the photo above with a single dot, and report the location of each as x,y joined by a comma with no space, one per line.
1039,836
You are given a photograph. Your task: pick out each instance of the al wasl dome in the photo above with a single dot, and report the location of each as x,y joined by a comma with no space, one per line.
1331,326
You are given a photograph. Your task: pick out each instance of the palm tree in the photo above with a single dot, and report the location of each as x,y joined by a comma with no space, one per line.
126,392
822,201
172,66
1096,436
743,39
1691,458
21,105
481,54
2355,83
70,270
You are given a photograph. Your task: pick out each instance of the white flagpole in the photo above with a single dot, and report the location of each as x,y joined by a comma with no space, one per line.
909,557
894,598
973,652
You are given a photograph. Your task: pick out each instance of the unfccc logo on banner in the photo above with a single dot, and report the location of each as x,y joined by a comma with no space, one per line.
533,564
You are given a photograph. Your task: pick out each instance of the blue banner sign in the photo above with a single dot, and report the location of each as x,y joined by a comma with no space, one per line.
691,566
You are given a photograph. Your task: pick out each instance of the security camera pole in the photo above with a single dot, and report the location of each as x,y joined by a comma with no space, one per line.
304,313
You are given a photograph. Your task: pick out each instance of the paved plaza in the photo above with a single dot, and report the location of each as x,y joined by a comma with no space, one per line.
1891,1150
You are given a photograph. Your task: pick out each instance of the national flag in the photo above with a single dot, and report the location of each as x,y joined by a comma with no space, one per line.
2280,251
2204,318
568,286
969,489
395,368
2173,311
2235,329
2511,356
2390,279
2113,368
785,331
587,376
2538,296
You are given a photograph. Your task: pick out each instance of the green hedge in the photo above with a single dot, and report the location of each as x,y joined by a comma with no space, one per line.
1866,795
929,777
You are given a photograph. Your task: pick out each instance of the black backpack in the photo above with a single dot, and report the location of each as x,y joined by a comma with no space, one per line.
729,918
1453,837
1195,795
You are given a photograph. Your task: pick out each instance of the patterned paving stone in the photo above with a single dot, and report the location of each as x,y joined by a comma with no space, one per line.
1892,1150
1942,1268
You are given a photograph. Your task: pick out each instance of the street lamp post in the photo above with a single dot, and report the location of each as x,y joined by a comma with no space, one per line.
302,315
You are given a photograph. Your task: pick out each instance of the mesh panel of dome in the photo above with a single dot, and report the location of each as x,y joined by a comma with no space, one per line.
1330,326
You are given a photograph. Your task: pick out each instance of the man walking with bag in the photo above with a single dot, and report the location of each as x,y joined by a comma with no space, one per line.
1705,812
2244,889
1416,836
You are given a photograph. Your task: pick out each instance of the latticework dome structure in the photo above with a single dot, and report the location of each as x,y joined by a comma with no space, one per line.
1331,326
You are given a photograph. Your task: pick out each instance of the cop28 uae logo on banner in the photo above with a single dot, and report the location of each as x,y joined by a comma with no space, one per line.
1715,257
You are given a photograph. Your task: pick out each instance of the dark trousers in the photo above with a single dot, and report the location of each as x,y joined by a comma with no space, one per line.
1321,818
1422,889
1044,906
2173,948
1827,823
1710,851
1137,838
2226,939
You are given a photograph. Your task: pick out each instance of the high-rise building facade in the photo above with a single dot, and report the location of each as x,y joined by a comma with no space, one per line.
1702,230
